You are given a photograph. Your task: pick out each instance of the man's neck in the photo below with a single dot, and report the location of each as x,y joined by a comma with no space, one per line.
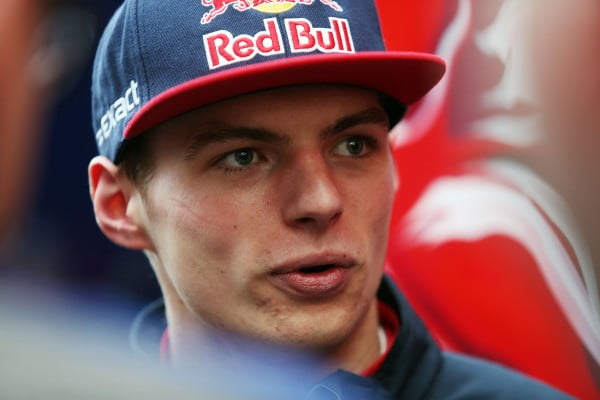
362,348
193,343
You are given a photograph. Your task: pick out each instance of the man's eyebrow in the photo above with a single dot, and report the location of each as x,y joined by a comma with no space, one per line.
374,115
225,134
221,134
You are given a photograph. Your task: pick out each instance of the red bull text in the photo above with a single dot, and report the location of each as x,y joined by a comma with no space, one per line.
218,7
222,48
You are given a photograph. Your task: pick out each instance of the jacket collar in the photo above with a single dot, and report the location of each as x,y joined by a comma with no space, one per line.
409,368
407,371
413,354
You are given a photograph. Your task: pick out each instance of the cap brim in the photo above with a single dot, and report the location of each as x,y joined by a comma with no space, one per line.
405,76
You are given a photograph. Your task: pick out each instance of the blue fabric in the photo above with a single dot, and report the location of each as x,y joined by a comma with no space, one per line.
464,377
415,368
159,45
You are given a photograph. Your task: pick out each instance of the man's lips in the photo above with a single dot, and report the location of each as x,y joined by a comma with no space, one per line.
314,276
314,261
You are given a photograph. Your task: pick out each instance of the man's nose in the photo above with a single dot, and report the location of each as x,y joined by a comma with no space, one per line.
311,197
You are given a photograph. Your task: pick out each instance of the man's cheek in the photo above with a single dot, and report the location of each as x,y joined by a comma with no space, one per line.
195,225
382,204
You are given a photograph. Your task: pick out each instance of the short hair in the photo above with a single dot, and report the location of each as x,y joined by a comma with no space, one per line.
394,109
134,159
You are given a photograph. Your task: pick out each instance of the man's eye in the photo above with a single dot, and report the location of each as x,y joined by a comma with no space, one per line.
352,147
240,158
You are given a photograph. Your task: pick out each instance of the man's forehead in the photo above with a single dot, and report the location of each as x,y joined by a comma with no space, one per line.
261,109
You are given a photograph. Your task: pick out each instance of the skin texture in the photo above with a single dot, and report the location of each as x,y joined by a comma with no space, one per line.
215,231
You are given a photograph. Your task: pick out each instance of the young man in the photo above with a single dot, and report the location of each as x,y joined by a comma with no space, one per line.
244,149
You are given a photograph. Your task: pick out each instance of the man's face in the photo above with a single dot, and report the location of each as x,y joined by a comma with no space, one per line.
268,213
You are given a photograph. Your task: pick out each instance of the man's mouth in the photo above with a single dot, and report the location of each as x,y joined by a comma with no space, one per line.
316,269
314,276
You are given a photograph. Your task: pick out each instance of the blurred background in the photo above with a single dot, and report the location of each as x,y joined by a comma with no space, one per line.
496,226
495,236
49,237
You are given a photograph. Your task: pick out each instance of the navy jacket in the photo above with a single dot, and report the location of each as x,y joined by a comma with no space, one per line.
415,368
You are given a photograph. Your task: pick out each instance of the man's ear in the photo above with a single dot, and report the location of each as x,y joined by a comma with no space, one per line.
116,205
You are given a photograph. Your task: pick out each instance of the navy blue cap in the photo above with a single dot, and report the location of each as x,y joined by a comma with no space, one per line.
158,59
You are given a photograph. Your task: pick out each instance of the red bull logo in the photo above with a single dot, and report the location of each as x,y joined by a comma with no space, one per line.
301,36
218,7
